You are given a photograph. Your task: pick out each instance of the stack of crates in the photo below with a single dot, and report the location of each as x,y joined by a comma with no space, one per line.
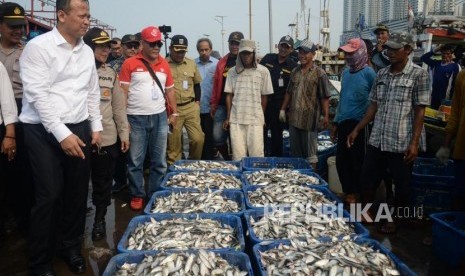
431,185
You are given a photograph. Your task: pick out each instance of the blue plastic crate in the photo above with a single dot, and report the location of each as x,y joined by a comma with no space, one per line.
401,266
431,185
260,163
182,162
256,214
325,191
235,195
239,259
428,171
322,166
168,176
323,183
324,135
232,221
449,237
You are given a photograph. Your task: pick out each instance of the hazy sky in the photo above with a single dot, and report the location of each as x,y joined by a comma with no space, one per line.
196,18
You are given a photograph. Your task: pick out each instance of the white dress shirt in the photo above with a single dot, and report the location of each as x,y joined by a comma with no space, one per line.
8,110
60,84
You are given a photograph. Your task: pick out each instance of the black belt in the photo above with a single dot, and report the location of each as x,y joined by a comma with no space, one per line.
183,104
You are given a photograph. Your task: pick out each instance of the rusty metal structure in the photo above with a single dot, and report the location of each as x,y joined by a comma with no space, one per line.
41,16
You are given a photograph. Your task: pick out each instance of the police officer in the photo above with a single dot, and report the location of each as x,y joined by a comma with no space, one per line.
115,123
280,66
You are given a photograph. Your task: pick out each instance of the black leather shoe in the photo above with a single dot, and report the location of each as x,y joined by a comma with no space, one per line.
75,262
98,232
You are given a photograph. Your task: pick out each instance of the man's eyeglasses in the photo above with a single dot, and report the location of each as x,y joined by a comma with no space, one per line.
98,150
159,44
132,45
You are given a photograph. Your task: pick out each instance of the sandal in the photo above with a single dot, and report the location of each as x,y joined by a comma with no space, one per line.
387,228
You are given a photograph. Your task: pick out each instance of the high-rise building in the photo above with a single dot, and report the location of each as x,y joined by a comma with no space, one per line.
375,11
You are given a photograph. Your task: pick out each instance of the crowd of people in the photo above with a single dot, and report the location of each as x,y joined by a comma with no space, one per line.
106,109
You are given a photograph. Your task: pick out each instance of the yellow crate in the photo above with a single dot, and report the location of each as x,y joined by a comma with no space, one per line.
432,113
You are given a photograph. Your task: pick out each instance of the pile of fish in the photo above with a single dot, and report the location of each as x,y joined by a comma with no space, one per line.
182,233
204,180
280,224
198,263
207,166
276,193
324,145
331,258
283,177
192,202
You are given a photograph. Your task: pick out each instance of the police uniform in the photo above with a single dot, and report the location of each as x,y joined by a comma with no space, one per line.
280,73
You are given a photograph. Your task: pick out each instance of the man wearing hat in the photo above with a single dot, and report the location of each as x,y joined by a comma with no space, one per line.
378,59
280,66
398,99
62,121
12,30
187,81
130,47
147,114
247,86
307,97
218,99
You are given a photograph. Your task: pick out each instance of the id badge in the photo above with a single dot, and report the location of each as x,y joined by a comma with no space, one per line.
185,84
154,93
281,82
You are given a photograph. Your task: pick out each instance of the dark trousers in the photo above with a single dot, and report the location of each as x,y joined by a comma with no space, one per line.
206,122
3,180
60,190
103,168
121,168
374,167
19,192
276,127
349,161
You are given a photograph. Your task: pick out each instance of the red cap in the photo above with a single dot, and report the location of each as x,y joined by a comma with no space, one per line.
352,45
151,34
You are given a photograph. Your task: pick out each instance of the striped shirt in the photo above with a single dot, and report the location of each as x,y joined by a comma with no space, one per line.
396,96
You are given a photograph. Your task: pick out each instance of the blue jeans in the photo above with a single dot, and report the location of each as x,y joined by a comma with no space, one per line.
220,136
149,133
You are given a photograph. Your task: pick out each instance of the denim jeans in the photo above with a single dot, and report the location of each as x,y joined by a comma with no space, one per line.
149,133
220,136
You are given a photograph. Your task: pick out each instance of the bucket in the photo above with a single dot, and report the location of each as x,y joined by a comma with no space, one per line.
333,178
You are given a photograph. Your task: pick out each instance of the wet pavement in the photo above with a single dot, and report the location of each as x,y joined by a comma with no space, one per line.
407,244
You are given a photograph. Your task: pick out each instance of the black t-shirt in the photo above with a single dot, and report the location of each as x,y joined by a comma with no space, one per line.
278,71
229,64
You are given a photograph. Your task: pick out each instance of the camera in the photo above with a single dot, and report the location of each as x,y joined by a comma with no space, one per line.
165,29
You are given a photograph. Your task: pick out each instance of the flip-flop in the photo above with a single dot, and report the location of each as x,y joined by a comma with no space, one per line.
388,228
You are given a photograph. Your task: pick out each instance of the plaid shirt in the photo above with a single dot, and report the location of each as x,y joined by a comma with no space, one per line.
396,96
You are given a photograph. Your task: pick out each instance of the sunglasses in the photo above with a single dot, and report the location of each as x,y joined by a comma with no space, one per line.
132,45
159,44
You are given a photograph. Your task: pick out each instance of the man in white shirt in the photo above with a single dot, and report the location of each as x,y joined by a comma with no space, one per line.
247,87
62,121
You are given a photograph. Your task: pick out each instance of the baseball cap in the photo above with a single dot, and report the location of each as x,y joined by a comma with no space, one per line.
129,38
151,34
235,36
96,36
12,14
380,27
399,40
246,45
307,46
179,43
352,45
287,40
